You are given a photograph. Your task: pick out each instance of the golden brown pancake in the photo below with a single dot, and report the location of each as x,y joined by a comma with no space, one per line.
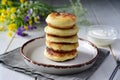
60,56
72,39
61,20
61,46
61,32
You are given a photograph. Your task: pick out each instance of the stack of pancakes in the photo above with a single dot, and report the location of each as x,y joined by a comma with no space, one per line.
61,36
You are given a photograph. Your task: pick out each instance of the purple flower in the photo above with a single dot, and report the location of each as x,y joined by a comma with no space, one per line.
31,27
22,28
26,19
30,11
20,32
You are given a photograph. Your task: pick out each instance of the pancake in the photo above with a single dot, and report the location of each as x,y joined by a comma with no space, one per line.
61,32
72,39
60,56
61,20
61,46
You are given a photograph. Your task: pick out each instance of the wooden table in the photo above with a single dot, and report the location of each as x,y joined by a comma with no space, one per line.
106,12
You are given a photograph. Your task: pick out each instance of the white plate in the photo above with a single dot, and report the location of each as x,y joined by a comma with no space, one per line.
33,54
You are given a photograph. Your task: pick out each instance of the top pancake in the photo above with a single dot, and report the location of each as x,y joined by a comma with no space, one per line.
61,20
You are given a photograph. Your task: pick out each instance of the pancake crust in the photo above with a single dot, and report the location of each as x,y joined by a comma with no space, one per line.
61,46
72,39
59,56
61,32
61,20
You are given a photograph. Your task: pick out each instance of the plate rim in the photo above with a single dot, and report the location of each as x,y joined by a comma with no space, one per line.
58,66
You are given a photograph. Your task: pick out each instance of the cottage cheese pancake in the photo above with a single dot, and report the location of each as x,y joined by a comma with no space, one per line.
61,46
72,39
61,20
61,32
60,56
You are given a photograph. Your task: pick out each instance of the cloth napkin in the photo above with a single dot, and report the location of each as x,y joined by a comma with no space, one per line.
14,61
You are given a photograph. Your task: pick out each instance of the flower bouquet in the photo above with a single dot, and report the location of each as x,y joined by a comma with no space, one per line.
21,16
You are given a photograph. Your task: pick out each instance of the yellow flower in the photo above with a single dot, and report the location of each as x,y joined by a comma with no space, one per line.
1,28
8,13
10,3
13,10
22,1
9,34
3,2
35,19
2,18
26,27
12,27
12,17
3,12
30,22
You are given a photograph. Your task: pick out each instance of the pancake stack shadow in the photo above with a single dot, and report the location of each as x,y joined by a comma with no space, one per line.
61,37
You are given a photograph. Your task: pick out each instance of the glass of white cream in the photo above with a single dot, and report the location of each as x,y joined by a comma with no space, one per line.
102,35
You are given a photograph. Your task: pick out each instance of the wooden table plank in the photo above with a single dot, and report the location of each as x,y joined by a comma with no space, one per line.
4,42
90,16
105,13
116,5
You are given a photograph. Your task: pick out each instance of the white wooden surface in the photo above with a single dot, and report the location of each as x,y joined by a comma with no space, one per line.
105,12
4,41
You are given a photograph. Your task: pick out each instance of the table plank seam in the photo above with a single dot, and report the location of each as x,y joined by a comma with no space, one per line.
97,19
115,11
10,43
